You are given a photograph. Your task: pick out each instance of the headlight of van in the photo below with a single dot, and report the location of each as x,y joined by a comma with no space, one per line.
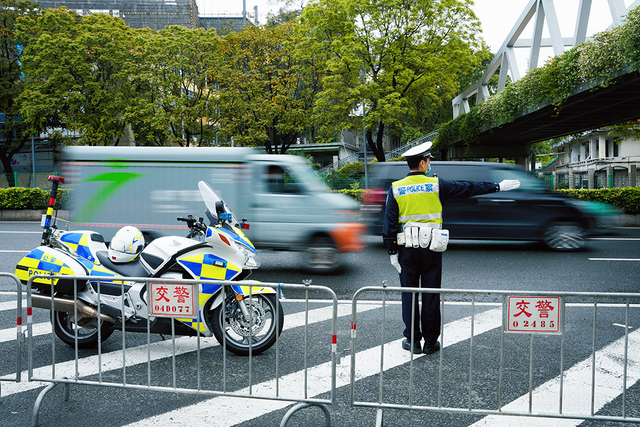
251,260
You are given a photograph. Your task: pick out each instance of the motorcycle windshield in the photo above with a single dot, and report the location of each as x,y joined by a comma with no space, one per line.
210,197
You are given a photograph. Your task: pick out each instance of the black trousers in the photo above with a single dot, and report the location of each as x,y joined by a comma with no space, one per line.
421,268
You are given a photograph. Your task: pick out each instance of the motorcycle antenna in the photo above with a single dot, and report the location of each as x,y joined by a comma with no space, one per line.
55,181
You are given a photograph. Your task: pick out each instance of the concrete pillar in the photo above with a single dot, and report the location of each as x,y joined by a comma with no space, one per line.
593,148
602,142
633,177
609,183
591,178
554,182
583,152
570,179
522,161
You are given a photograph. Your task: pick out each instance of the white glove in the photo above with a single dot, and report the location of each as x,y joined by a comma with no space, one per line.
395,263
509,184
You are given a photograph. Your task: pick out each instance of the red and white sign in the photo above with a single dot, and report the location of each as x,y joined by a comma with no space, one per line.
533,314
173,300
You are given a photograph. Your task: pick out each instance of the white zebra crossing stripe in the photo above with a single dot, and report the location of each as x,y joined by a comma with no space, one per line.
8,335
88,366
223,411
577,388
11,305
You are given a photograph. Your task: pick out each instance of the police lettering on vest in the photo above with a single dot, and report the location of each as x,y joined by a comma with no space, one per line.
418,200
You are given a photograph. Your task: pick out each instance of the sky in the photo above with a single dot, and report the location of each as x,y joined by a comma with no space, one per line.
497,16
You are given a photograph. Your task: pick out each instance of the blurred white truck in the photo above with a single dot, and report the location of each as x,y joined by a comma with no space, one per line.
287,206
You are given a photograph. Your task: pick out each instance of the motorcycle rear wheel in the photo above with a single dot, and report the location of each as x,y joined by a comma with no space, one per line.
234,330
65,328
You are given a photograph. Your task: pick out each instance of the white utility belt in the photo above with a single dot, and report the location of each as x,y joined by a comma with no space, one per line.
424,235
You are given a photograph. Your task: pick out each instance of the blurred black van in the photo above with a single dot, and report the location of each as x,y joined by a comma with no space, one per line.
532,212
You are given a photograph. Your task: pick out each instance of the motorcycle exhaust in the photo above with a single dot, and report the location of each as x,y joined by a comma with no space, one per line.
67,306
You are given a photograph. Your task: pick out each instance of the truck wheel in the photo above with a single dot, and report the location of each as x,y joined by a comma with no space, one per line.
564,236
321,256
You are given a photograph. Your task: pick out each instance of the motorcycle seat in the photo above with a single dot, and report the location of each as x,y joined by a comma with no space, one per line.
133,268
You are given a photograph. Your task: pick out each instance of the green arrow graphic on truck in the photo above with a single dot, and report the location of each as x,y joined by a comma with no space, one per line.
114,180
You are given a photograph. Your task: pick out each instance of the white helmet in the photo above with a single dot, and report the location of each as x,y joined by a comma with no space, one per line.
126,245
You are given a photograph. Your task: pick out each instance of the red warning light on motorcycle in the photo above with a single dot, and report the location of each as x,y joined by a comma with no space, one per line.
173,300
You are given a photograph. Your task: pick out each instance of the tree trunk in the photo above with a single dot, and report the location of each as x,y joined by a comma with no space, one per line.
377,145
6,155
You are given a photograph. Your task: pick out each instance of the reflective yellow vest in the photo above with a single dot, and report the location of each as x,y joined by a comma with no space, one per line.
418,201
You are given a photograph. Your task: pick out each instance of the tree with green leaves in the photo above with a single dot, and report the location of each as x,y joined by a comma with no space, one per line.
14,131
393,56
74,68
175,83
264,100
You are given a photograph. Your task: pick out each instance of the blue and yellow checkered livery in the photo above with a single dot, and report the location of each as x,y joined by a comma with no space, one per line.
209,267
40,261
81,243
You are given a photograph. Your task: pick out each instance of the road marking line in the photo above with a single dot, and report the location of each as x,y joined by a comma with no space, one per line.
14,252
88,366
623,326
21,232
614,259
8,335
615,238
577,384
223,411
12,305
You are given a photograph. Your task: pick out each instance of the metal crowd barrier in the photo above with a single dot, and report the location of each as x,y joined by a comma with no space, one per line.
503,331
19,332
67,373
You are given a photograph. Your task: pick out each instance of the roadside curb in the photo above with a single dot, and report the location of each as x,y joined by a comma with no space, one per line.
625,220
30,214
622,220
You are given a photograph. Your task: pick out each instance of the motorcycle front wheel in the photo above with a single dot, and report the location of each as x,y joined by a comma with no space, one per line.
240,334
65,327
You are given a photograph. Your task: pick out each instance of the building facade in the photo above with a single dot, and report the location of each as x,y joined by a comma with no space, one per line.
595,160
153,14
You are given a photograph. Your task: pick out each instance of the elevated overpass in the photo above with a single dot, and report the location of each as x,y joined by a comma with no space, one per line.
583,110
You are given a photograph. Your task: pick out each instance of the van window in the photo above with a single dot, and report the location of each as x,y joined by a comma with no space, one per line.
307,178
460,173
279,180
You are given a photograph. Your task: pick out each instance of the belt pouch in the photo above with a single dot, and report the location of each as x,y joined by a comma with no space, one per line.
415,236
425,237
408,242
439,240
400,238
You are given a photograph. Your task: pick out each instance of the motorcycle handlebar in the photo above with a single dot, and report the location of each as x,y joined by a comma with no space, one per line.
195,224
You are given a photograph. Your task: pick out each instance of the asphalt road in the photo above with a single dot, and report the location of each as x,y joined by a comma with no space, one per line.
467,375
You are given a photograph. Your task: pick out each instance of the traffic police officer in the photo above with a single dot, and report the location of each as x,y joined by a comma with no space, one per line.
416,202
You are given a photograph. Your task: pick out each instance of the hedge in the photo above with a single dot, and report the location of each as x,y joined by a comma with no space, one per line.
32,198
627,199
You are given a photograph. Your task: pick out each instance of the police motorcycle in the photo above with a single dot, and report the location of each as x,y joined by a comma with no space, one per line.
247,315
